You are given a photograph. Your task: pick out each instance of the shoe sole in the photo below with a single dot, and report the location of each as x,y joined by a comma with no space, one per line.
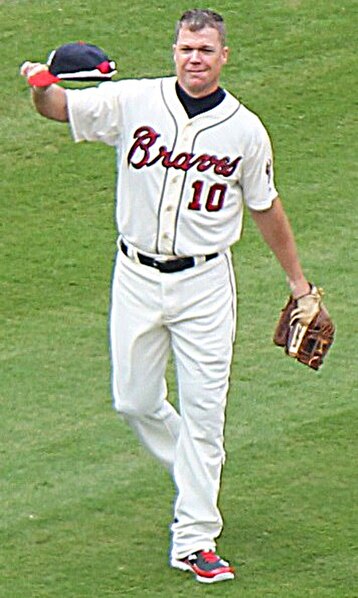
184,567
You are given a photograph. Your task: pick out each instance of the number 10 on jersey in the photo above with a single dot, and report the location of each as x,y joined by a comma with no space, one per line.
213,201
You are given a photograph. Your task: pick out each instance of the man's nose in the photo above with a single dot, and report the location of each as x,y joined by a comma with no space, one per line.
195,56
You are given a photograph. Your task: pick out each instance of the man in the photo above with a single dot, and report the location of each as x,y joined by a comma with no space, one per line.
189,156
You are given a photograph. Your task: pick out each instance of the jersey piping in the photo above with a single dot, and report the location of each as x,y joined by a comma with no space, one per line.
185,175
167,171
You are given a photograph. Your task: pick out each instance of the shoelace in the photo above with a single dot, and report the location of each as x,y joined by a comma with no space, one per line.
210,557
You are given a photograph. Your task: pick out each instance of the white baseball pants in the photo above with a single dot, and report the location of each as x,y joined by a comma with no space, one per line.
192,313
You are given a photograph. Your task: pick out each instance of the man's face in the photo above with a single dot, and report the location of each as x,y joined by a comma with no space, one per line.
199,58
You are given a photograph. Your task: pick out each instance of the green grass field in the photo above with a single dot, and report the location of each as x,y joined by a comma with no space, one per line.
84,512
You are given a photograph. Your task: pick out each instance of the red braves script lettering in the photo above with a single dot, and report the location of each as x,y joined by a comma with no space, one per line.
142,153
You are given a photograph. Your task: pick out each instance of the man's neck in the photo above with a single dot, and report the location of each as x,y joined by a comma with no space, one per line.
194,106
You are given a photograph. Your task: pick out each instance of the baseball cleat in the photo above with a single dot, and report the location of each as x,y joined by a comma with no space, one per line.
207,566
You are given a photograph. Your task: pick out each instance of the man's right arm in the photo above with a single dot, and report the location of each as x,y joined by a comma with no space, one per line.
50,101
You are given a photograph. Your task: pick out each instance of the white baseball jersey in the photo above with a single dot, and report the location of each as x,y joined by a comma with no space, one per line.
182,182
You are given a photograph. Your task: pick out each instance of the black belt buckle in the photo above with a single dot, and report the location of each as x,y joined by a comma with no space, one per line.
174,265
169,266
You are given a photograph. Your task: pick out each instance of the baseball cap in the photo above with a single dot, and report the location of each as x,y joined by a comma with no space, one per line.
75,62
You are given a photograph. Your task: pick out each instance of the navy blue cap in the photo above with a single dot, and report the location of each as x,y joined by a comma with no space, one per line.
75,62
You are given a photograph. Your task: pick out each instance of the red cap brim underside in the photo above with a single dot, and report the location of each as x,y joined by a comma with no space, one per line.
42,79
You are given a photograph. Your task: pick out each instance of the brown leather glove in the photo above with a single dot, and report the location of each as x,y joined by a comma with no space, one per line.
305,329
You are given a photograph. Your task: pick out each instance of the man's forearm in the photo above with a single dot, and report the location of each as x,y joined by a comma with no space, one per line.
50,102
276,231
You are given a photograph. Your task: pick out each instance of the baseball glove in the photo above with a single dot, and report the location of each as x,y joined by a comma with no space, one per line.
305,329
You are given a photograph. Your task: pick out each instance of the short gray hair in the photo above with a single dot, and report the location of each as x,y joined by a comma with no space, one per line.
197,19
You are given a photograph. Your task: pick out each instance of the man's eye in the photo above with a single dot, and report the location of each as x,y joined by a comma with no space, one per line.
201,50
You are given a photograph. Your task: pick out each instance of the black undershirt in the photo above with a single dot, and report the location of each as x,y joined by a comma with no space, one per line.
194,106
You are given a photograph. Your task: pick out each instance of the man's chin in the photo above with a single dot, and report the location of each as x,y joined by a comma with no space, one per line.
196,86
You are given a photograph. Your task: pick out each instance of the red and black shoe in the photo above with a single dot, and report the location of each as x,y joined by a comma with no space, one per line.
207,566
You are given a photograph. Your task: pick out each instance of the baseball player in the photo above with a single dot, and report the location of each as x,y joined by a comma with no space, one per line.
189,157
